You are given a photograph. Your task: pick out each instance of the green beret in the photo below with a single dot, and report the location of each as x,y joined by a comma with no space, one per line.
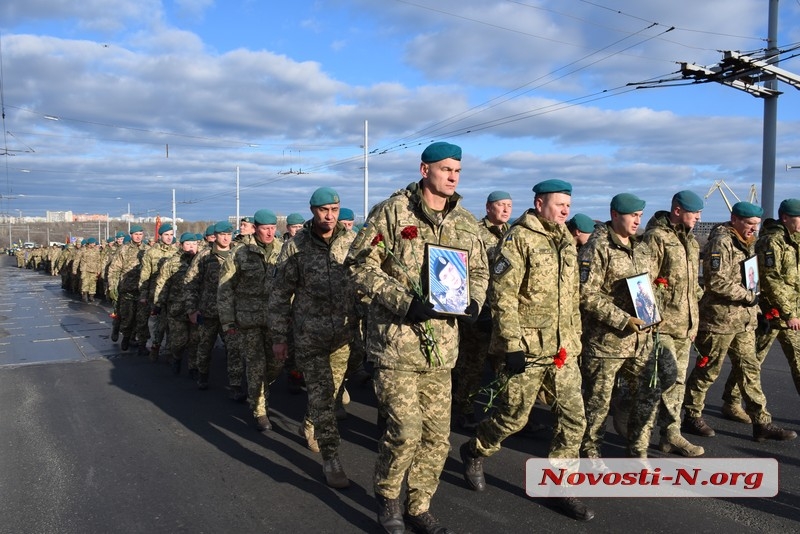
790,207
210,229
553,186
199,237
346,214
440,150
324,196
264,217
582,223
295,218
248,220
747,210
625,203
136,228
223,227
164,228
110,239
91,241
188,236
119,234
688,200
494,196
126,239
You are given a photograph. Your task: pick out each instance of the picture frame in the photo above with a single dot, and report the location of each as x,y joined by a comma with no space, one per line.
750,275
644,300
448,279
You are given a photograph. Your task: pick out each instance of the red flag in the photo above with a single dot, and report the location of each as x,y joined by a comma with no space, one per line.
158,224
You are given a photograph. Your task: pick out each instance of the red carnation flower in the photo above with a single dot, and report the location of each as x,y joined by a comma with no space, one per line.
409,232
773,314
377,239
560,358
702,361
660,281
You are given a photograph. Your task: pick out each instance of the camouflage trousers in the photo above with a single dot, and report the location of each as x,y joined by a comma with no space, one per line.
234,362
131,315
88,283
600,376
518,398
182,337
417,436
742,349
473,348
143,322
669,415
207,333
324,371
790,343
159,328
262,367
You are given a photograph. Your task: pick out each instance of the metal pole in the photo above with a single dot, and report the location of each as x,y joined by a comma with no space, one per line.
237,196
770,119
174,217
366,170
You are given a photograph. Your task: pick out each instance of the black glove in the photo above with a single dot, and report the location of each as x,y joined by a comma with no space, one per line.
471,312
515,362
420,311
752,298
764,327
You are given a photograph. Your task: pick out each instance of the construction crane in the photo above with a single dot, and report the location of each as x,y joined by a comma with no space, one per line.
720,184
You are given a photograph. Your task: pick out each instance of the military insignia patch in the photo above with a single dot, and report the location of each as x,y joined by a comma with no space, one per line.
769,259
501,266
584,270
716,261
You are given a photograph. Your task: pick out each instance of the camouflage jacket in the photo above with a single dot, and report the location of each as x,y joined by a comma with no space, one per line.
245,284
676,258
723,308
535,298
312,292
779,268
202,281
152,261
169,292
606,303
125,268
89,261
388,274
492,237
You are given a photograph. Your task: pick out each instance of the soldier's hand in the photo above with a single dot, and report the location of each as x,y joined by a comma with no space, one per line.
280,351
793,323
193,317
113,295
515,362
634,324
752,298
471,312
420,311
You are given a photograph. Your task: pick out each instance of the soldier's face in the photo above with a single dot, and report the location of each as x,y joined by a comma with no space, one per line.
792,224
246,228
189,246
553,206
211,238
325,218
625,225
745,226
137,237
224,240
498,212
292,229
580,237
265,233
348,224
450,277
687,218
167,237
441,177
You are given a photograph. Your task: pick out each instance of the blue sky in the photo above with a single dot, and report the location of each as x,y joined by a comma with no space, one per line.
530,90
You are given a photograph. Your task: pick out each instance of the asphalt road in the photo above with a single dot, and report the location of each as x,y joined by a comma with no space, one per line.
93,440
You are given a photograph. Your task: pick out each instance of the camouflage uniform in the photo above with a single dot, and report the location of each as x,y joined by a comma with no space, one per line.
89,264
474,338
413,393
611,352
727,325
245,283
535,306
123,279
676,257
169,294
313,294
152,261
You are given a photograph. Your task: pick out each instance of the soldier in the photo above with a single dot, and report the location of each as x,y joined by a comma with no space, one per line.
537,327
208,237
89,264
294,377
170,300
294,223
614,347
727,326
202,281
347,218
415,348
676,258
581,227
310,284
247,227
123,279
152,261
474,338
245,284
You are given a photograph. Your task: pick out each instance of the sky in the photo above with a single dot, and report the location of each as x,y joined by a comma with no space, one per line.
111,103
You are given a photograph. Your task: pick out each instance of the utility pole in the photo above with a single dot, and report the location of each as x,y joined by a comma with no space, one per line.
769,152
366,171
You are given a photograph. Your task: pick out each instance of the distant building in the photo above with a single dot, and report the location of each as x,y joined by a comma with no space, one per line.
90,217
58,216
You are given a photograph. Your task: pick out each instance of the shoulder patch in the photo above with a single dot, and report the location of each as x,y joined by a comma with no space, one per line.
715,261
584,270
501,266
769,259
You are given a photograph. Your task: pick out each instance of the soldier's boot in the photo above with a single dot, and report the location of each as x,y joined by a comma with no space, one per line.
390,515
85,296
202,381
262,423
735,412
154,350
673,442
115,330
473,467
236,394
770,431
426,523
306,431
176,366
142,350
126,343
334,473
574,508
697,426
91,297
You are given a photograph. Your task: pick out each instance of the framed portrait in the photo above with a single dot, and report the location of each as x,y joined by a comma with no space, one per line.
750,278
448,279
644,301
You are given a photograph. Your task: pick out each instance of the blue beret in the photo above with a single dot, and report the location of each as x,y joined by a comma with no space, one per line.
295,218
91,241
494,196
164,228
136,228
324,196
625,203
553,186
247,219
110,239
119,234
223,227
688,200
210,230
199,237
264,217
790,207
582,223
747,210
346,214
440,150
188,236
126,239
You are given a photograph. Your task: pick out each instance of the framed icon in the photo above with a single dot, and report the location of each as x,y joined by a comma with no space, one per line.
750,278
448,279
644,301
